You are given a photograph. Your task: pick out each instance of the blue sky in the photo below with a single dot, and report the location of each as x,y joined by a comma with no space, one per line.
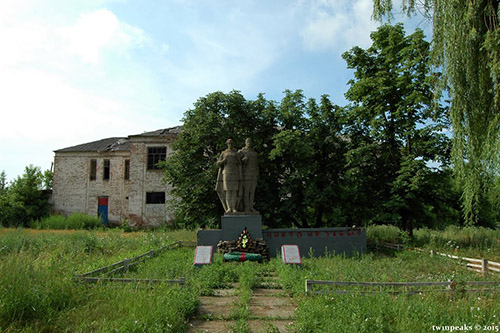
79,71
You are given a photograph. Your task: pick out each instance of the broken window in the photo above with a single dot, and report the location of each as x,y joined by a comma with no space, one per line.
155,197
105,174
93,169
155,155
126,174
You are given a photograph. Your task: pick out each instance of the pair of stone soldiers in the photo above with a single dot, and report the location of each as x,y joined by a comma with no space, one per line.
237,178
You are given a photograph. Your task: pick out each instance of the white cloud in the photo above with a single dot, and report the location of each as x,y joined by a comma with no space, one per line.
100,31
62,82
338,25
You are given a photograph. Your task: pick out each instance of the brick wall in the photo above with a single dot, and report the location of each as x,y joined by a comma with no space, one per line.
74,191
144,181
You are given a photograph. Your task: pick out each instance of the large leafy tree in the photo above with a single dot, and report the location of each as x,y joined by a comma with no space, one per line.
310,155
399,128
24,199
300,158
192,170
466,45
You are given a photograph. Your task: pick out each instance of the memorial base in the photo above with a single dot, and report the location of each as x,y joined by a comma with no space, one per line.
315,241
233,225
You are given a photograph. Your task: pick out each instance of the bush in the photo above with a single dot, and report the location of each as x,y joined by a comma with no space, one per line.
468,237
377,234
74,221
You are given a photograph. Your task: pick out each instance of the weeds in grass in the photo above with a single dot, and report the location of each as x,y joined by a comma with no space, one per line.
73,221
37,293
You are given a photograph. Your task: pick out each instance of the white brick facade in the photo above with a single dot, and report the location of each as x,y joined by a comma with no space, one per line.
76,190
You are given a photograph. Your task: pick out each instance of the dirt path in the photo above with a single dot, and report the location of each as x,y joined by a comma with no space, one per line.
268,310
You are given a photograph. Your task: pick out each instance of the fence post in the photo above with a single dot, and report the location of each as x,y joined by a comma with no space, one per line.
307,285
151,253
452,285
432,253
126,263
484,266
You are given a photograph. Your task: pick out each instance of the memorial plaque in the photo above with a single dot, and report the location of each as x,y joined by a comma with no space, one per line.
203,255
290,254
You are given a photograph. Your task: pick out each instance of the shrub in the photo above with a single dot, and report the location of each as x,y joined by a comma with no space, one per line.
377,234
74,221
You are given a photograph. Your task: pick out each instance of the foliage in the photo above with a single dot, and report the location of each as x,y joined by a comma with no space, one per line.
395,128
37,293
310,152
23,200
192,170
300,158
466,45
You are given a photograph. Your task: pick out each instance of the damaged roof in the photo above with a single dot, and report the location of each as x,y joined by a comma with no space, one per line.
165,131
117,144
109,144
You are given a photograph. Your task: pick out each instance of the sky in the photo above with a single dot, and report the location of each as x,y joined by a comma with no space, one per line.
78,71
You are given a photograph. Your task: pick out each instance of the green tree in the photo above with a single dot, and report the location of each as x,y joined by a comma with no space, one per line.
310,154
3,182
47,179
192,170
300,158
393,108
24,201
466,45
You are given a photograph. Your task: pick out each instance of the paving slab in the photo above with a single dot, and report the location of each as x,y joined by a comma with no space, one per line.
269,325
257,300
213,326
271,311
225,292
268,292
216,306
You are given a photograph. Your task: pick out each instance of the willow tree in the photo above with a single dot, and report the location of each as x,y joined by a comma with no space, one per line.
466,45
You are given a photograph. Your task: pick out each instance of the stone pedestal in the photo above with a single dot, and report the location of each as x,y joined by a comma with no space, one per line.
233,225
347,241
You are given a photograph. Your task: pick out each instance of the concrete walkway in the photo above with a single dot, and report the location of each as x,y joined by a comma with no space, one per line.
269,310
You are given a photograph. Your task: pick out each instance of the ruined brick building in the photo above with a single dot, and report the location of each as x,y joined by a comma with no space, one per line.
116,178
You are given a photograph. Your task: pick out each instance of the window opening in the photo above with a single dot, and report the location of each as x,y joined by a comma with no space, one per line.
106,170
155,155
93,169
155,197
126,175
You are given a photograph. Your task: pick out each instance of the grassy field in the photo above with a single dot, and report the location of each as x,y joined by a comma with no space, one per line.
38,294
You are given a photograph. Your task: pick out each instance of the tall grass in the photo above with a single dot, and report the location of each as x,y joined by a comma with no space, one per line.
378,234
467,241
37,292
73,221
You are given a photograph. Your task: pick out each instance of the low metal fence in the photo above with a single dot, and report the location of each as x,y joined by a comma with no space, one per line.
395,287
125,264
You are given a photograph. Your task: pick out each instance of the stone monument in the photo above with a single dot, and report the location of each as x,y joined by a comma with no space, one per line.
236,183
229,178
237,179
250,174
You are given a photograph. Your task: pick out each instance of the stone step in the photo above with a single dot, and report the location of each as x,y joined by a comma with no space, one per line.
216,307
268,292
213,326
260,326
